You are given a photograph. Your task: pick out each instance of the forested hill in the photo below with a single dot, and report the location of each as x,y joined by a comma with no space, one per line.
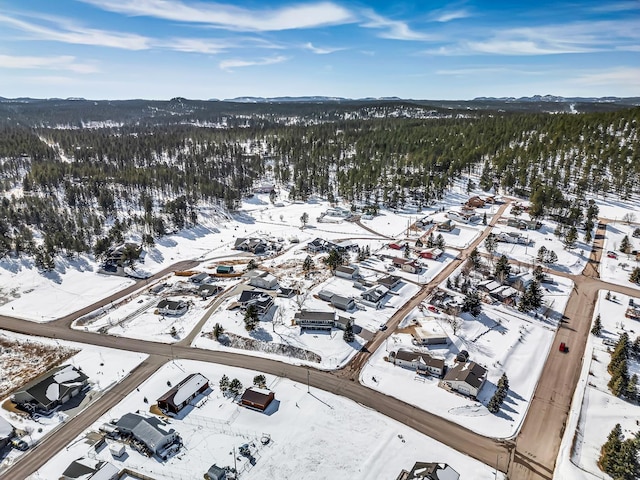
79,176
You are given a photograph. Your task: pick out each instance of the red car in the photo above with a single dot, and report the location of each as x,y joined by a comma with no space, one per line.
563,348
433,309
611,254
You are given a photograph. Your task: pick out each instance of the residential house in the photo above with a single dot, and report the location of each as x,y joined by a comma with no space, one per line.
320,245
517,223
151,432
461,217
390,281
325,295
90,469
488,285
430,333
375,296
505,294
430,253
172,307
343,322
397,246
199,278
406,264
429,471
215,473
118,255
6,433
224,269
421,362
286,292
261,300
315,320
466,378
475,202
446,226
180,395
253,245
207,290
257,398
264,188
264,280
347,272
51,390
343,303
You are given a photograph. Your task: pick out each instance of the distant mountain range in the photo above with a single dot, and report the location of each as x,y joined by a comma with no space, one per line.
556,99
313,99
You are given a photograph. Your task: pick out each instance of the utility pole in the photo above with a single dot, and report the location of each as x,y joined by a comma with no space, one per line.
308,373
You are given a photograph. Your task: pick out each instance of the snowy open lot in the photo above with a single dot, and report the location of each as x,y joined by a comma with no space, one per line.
306,430
105,367
595,411
617,269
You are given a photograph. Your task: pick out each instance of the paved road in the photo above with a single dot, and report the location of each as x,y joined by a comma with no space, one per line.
536,446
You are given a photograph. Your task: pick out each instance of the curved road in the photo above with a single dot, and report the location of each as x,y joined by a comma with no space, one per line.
532,456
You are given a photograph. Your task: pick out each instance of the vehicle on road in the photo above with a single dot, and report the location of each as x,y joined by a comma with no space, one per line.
383,327
563,348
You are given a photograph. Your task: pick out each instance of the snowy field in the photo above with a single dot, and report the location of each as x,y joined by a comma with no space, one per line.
617,270
306,430
595,411
105,367
502,339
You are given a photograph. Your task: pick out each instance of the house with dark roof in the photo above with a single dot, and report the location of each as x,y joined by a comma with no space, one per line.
429,471
318,320
215,473
390,281
180,395
253,245
6,432
51,390
347,272
406,264
261,300
90,469
207,290
466,378
446,226
224,269
201,277
320,245
172,307
150,432
257,398
343,303
375,296
420,362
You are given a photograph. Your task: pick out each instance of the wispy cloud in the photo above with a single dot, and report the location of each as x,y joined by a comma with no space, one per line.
579,37
68,32
231,64
488,71
627,76
448,16
309,15
63,62
320,50
394,29
616,7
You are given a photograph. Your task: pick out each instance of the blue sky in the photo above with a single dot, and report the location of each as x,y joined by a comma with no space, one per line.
427,49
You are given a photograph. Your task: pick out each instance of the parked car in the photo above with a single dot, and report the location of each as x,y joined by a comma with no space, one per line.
611,254
563,348
19,444
433,309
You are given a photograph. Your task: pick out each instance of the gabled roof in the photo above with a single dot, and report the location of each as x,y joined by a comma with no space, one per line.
256,395
409,356
87,468
55,384
310,315
147,430
172,304
185,389
341,302
389,281
346,269
469,372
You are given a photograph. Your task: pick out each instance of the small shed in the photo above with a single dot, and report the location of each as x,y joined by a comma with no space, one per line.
117,449
257,398
224,269
216,473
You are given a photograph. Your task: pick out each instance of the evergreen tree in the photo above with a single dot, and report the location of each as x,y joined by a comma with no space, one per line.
542,254
570,238
484,218
635,275
625,244
251,319
252,265
307,264
217,331
334,260
597,326
610,451
439,242
235,386
631,390
503,382
348,335
224,383
304,219
490,243
474,260
552,257
260,381
503,269
472,303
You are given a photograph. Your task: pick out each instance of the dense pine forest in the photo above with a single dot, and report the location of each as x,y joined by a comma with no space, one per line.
78,176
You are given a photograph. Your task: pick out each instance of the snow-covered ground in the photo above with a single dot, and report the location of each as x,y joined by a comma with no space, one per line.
595,411
320,434
105,367
501,339
617,269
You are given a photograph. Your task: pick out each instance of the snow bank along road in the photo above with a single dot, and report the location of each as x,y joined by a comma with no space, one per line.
531,456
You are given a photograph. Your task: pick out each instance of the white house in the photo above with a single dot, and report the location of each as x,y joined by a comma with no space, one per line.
264,280
347,272
420,362
466,378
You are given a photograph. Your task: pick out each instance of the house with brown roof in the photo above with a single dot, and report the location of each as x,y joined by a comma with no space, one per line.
406,264
466,378
257,398
180,395
420,362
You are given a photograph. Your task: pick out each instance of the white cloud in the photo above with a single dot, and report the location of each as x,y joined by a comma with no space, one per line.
447,16
626,76
230,17
487,70
320,50
231,64
67,32
394,29
64,62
